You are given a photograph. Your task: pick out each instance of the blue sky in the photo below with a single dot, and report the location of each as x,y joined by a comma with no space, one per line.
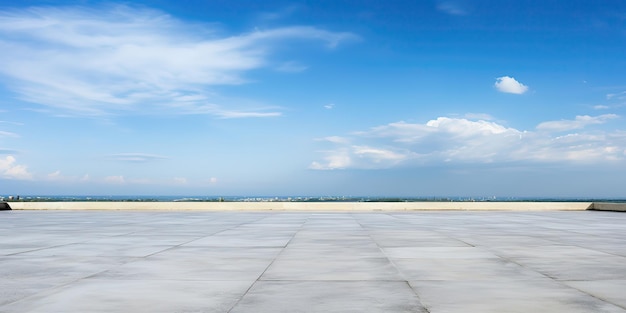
363,98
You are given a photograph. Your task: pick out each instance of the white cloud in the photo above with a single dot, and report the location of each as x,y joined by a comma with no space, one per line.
510,85
601,107
334,139
380,156
10,170
213,180
336,159
451,7
136,157
580,122
616,96
329,106
180,180
120,59
448,140
479,116
9,122
239,114
118,180
8,134
279,14
291,67
55,175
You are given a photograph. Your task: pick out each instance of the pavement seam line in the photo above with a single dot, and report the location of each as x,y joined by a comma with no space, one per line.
419,299
267,267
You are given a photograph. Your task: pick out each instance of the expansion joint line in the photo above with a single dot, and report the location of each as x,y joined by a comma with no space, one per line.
391,261
266,268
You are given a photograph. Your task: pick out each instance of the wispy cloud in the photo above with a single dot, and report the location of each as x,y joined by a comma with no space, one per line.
291,67
616,96
8,151
334,139
579,122
329,106
508,84
241,114
122,59
9,122
279,14
180,180
451,7
136,157
479,116
448,140
8,134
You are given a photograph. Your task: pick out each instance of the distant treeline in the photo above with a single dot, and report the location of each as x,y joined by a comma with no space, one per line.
290,199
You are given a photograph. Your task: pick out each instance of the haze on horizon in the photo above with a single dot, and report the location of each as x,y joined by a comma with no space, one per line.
376,98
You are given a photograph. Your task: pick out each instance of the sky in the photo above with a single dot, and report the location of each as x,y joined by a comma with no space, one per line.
423,98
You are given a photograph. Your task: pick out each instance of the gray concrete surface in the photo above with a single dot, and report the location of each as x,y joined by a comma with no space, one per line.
143,261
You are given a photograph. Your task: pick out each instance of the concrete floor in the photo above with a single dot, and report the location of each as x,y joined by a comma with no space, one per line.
121,261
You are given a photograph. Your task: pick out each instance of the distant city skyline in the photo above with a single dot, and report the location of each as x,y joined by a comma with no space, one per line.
429,98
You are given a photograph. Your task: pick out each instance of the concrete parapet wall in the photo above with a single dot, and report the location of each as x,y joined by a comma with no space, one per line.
306,206
608,206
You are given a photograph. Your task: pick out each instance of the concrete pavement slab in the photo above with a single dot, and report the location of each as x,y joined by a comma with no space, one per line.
326,297
189,261
608,290
377,269
488,269
515,296
110,295
444,253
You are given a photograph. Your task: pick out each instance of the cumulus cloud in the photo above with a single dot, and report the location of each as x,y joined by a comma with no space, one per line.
448,140
508,84
10,170
579,122
122,59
